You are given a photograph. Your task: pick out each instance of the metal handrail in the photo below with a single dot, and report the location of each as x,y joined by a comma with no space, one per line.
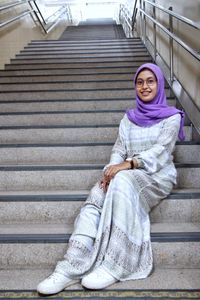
173,36
25,13
36,12
182,95
55,23
55,13
12,5
177,16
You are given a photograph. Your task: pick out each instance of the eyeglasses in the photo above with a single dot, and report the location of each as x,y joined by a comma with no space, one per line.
149,82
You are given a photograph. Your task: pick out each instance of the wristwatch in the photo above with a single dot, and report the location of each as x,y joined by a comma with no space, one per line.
131,162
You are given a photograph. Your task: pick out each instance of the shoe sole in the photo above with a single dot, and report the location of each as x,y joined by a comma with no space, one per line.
96,287
66,286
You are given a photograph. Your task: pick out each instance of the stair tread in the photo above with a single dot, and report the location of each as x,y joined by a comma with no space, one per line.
29,229
164,279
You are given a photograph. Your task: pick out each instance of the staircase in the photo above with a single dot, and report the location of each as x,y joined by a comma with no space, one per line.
61,102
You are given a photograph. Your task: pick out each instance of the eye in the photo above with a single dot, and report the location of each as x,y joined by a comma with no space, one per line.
151,81
139,82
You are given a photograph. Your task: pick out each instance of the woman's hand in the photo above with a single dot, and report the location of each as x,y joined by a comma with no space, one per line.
111,171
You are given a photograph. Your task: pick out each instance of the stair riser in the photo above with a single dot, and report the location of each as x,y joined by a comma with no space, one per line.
45,94
65,212
80,154
46,255
64,135
77,59
82,64
73,179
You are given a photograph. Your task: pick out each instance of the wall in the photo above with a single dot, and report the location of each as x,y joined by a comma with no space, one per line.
15,36
186,68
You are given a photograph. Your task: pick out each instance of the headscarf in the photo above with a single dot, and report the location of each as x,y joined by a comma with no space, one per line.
149,113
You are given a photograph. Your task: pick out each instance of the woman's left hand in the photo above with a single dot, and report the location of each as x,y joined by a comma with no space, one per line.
111,171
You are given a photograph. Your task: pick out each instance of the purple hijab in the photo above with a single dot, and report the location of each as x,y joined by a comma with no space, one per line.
150,113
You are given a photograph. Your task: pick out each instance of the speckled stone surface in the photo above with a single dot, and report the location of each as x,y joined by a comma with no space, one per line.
28,279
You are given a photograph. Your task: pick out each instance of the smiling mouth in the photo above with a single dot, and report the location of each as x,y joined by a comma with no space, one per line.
146,93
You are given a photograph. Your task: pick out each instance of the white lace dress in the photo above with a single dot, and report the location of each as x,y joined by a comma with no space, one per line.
113,228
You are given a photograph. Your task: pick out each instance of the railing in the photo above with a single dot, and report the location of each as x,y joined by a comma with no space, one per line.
33,10
185,100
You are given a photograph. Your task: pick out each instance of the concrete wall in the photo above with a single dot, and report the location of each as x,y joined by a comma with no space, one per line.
16,35
186,68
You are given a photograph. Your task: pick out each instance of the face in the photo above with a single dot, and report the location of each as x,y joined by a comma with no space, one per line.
146,85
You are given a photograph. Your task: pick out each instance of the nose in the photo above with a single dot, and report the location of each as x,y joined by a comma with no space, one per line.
145,85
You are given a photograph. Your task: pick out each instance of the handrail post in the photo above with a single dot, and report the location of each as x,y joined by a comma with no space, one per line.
141,23
154,35
134,15
171,56
144,19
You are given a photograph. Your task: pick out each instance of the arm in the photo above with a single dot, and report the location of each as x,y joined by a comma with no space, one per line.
160,154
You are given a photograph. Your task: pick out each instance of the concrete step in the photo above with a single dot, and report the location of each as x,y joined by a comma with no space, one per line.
85,47
62,134
77,65
73,176
79,153
84,58
67,105
82,93
86,42
68,86
65,78
80,70
164,283
40,246
62,207
65,118
87,54
77,51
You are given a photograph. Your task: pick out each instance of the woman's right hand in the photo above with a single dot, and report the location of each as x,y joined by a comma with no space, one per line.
104,184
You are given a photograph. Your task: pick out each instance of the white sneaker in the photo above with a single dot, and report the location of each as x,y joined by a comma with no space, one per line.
98,279
54,284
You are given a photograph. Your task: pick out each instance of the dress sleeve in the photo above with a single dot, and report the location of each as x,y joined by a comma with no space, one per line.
118,153
160,154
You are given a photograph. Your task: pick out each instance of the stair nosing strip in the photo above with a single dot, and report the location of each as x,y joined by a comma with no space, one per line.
81,144
67,81
81,197
57,126
156,237
72,167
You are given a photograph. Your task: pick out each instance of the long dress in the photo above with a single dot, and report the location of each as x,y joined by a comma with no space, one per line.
113,228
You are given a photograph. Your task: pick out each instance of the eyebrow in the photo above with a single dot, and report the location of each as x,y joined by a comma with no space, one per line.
153,77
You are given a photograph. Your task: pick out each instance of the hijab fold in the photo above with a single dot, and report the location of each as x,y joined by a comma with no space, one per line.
149,113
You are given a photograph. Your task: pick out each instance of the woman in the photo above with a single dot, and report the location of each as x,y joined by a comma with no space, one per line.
111,238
